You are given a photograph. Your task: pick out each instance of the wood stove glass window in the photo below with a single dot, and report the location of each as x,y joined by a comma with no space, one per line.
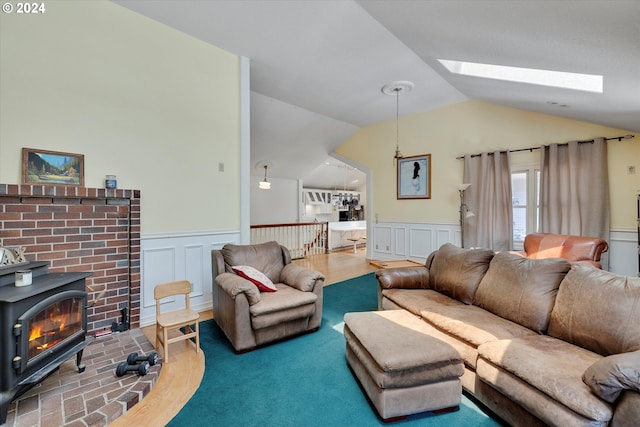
54,324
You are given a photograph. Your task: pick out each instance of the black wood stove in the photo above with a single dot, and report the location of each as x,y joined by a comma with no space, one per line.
41,326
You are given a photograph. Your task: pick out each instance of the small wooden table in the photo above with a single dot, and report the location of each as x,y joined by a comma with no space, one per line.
395,263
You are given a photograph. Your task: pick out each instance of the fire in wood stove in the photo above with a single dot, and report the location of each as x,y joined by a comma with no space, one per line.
54,324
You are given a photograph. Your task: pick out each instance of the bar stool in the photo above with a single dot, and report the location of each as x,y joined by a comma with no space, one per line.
355,241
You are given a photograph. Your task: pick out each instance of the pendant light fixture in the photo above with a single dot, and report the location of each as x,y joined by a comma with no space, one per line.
265,185
395,88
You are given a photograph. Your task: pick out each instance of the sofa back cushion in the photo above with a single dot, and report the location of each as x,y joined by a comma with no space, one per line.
522,290
457,272
265,257
598,310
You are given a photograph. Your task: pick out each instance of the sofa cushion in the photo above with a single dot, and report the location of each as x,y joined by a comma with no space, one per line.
256,277
552,366
286,298
266,257
609,376
280,319
416,300
471,324
520,289
457,272
598,310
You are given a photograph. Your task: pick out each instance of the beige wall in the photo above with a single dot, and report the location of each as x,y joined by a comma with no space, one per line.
472,127
147,103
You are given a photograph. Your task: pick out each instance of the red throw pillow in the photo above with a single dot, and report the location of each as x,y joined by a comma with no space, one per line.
258,278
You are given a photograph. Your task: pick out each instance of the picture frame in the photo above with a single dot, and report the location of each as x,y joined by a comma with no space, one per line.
414,177
52,167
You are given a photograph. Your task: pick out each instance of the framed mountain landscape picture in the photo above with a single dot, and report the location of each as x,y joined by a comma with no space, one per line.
52,167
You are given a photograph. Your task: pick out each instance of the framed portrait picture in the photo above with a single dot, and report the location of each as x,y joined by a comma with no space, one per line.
414,177
52,167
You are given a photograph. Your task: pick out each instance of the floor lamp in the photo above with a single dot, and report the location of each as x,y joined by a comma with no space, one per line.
465,212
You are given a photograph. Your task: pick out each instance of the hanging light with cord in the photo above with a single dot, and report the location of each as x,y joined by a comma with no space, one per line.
264,185
395,88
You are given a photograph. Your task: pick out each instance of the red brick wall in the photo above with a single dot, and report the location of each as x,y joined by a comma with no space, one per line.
80,229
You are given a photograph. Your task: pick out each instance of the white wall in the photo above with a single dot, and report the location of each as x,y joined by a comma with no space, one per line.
277,205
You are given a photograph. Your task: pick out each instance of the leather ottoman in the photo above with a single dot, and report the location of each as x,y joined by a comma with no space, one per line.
402,369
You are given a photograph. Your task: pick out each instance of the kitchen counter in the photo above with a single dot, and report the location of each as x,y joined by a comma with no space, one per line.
340,231
348,225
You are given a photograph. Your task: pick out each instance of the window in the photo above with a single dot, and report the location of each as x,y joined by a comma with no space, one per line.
525,198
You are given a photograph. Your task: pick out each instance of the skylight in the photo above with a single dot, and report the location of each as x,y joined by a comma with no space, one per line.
576,81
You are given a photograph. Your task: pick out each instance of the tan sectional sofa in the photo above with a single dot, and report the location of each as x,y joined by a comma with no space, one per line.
543,342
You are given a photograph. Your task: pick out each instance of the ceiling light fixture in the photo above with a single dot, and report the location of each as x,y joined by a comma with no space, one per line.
394,88
561,79
264,185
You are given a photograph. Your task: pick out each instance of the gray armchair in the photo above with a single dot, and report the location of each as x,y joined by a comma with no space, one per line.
249,317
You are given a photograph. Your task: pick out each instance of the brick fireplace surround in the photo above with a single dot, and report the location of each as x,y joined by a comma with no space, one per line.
81,229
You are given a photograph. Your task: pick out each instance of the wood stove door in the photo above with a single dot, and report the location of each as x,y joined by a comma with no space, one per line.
49,327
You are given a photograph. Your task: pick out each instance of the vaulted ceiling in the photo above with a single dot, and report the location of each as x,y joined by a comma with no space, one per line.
317,66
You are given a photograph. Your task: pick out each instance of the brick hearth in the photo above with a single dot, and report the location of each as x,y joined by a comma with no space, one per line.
95,397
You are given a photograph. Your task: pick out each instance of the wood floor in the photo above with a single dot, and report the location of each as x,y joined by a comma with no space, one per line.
181,377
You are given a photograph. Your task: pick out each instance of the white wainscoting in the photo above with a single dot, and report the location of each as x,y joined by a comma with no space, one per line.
415,241
623,252
176,257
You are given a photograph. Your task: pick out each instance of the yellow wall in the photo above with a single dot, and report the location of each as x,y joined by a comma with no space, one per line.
472,127
151,105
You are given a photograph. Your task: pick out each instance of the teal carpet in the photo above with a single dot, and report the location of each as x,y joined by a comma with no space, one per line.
301,382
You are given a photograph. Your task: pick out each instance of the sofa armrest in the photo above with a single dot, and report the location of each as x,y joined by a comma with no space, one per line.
627,410
233,285
231,313
403,278
217,263
302,278
611,375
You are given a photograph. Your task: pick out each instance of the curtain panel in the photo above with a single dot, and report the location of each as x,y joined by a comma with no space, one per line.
574,189
489,199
